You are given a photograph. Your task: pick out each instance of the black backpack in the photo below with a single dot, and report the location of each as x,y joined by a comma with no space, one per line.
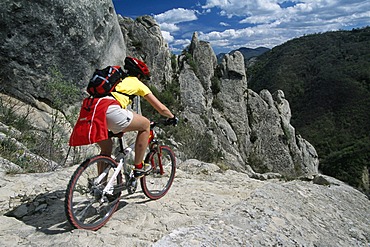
104,81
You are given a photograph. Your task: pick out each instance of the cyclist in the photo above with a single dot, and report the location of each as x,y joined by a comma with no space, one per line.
120,119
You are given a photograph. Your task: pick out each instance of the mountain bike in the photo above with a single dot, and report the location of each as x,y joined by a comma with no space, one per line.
92,198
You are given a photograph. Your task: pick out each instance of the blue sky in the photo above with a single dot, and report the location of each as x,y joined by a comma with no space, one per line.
231,24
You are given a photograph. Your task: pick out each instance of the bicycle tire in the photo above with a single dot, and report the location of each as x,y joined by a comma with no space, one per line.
83,205
158,182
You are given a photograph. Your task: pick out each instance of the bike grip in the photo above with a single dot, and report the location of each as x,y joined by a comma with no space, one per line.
172,121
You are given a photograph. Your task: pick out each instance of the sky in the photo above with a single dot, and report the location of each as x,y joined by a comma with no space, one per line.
231,24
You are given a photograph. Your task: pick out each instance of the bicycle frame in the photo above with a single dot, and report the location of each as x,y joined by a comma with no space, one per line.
108,189
153,146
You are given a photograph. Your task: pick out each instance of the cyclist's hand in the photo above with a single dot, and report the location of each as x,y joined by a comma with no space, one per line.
172,121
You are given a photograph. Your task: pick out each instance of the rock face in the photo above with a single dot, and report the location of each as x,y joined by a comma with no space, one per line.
74,37
275,146
251,130
204,207
144,40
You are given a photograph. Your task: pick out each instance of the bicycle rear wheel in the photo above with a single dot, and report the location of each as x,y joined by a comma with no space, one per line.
85,205
157,183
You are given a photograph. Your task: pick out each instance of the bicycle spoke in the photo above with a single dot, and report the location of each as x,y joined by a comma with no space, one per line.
82,214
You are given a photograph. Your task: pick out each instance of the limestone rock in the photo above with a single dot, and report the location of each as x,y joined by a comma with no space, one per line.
269,151
143,39
232,66
205,58
193,94
250,130
74,37
232,95
204,207
7,166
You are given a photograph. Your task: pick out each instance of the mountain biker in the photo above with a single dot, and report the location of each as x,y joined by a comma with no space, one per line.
120,119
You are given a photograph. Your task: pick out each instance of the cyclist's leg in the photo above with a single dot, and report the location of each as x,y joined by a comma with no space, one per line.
142,125
117,120
105,149
106,146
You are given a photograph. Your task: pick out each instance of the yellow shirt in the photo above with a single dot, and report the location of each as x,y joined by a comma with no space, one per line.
132,86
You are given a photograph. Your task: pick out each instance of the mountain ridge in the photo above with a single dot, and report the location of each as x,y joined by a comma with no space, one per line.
248,53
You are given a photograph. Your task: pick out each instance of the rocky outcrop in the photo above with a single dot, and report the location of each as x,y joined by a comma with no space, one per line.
205,60
204,207
251,130
275,146
143,39
73,37
234,110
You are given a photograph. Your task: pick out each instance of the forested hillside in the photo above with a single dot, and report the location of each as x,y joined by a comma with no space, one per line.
326,78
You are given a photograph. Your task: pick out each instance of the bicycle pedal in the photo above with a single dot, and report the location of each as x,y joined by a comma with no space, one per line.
140,174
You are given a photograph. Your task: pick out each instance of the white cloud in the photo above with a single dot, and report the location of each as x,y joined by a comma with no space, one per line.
224,24
170,27
231,8
262,22
175,16
269,24
168,21
182,42
167,37
265,11
179,45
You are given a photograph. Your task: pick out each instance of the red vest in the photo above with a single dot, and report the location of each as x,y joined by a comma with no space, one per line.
91,126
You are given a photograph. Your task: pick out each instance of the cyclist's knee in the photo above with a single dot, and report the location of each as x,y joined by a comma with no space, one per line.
146,124
140,123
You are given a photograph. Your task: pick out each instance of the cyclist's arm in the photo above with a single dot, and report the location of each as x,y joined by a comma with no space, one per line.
160,108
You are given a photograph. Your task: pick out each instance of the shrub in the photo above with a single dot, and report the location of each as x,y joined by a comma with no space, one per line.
215,85
193,143
46,143
217,104
170,97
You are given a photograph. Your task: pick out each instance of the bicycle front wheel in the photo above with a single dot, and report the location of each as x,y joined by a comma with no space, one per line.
86,206
157,183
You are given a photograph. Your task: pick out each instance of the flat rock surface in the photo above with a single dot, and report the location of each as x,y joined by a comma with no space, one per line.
205,207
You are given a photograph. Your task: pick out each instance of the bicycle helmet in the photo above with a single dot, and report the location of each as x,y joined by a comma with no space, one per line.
134,67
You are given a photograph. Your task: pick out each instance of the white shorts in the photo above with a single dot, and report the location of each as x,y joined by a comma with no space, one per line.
118,118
